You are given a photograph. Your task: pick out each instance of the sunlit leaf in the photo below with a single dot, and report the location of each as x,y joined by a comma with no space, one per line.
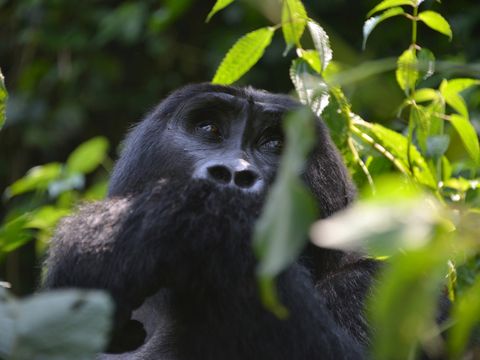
460,84
394,146
422,95
468,135
219,5
67,324
243,55
436,21
407,72
46,217
37,178
312,58
386,4
294,20
372,22
322,43
281,232
88,156
311,88
3,99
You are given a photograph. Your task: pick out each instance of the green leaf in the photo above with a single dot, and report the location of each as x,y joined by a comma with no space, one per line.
436,21
407,72
37,178
426,63
294,20
386,4
322,44
13,234
468,135
281,232
88,156
46,217
3,99
421,121
311,88
372,22
426,94
466,312
312,58
437,146
394,147
243,55
453,98
219,5
460,84
66,324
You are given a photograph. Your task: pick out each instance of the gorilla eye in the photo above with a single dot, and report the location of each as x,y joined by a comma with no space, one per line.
209,130
273,145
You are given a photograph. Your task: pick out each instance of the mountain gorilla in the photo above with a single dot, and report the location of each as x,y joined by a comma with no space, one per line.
172,243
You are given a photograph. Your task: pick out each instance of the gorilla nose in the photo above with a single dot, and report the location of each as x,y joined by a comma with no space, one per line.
240,175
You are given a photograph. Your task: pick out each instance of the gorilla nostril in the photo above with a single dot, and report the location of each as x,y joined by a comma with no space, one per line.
220,174
245,179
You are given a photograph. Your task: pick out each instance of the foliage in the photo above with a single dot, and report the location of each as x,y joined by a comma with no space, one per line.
425,235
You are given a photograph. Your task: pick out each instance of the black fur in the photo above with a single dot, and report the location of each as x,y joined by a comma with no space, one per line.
178,249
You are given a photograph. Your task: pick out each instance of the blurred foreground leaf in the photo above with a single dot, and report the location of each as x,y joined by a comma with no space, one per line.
3,99
282,230
88,156
66,324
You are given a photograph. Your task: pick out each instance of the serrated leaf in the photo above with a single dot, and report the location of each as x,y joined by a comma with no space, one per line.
436,22
219,5
372,22
294,20
407,72
88,156
467,133
426,63
322,43
396,144
3,99
311,88
243,55
386,4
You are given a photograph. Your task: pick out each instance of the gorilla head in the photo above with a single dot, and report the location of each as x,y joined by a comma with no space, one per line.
231,136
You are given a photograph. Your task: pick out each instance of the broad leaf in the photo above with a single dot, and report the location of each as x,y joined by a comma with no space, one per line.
3,99
371,23
294,20
461,84
219,5
468,135
386,4
407,72
453,98
68,324
311,88
281,232
88,156
312,58
322,44
436,21
243,55
426,94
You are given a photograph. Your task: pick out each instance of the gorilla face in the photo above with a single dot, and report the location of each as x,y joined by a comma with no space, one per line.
232,136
